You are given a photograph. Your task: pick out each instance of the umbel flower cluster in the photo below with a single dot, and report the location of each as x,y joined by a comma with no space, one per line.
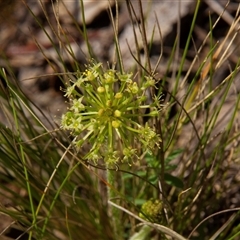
105,108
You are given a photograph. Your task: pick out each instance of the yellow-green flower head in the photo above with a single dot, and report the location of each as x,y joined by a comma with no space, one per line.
133,88
152,210
109,76
105,106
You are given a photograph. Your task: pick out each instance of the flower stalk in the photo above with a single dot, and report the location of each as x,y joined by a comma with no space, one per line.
104,111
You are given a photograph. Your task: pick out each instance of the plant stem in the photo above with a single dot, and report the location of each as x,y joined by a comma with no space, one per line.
113,212
142,234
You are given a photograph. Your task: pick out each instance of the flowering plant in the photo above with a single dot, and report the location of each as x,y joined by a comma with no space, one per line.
105,110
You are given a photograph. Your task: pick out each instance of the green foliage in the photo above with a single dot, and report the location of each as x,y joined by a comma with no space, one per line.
36,163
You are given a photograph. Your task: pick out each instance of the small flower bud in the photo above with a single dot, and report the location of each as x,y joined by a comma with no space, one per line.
101,89
109,77
125,77
90,76
117,113
135,88
154,113
118,95
109,103
149,83
100,112
116,124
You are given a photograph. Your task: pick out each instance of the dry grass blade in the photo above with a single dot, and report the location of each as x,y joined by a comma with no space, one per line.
216,61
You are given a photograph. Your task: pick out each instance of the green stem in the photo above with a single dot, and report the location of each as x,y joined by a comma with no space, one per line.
23,159
43,230
142,234
186,47
113,212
